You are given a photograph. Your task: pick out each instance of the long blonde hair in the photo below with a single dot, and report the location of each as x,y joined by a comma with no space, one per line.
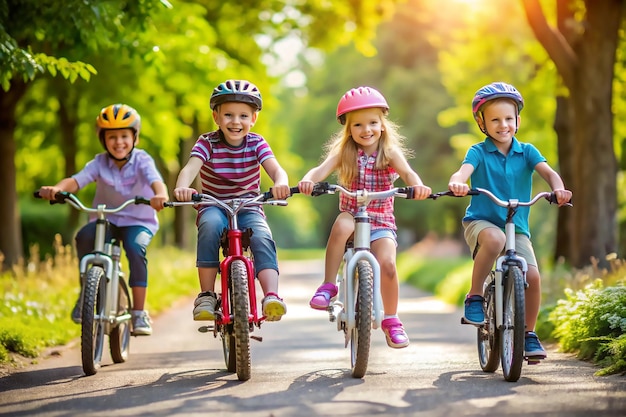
341,143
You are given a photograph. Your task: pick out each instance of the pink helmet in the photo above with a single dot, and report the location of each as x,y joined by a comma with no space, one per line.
360,98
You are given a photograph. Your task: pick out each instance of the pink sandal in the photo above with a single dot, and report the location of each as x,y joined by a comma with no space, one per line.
395,334
323,295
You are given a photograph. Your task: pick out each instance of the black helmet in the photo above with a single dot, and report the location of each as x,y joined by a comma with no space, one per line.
238,91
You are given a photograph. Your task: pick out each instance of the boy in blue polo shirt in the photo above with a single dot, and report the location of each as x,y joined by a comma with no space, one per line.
504,166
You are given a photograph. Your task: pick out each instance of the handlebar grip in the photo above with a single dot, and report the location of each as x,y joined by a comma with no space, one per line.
320,188
59,198
294,190
409,191
142,200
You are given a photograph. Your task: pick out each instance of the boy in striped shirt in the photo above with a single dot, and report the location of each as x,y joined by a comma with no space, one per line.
228,161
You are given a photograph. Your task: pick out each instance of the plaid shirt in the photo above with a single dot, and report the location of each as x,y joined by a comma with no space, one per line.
372,179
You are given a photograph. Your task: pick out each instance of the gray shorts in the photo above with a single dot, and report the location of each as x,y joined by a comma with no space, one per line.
523,245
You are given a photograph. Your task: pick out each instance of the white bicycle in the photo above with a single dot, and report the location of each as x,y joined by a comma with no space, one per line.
358,306
501,338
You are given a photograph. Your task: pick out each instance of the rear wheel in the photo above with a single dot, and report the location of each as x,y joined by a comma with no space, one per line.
119,339
513,324
92,325
360,337
239,284
488,335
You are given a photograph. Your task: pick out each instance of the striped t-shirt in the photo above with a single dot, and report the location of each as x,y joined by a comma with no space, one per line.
371,179
230,172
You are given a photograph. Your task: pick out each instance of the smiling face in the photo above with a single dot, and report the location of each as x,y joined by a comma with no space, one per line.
366,127
235,120
500,122
119,142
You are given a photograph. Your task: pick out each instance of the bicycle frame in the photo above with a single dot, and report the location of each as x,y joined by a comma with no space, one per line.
102,279
238,297
502,334
359,308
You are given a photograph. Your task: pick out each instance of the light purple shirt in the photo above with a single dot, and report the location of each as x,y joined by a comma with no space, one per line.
114,186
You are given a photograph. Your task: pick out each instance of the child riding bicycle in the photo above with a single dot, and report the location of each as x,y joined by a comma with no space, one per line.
367,153
228,161
121,173
504,166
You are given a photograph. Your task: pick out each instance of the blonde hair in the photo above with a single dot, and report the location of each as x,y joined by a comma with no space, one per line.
342,144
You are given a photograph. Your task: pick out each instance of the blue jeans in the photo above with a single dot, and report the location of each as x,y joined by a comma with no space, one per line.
211,223
135,240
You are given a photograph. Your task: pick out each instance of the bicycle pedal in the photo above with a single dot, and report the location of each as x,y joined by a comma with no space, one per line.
464,321
205,329
533,360
257,338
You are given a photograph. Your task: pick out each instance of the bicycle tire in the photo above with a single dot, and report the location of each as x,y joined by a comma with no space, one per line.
119,338
488,337
513,324
361,334
239,283
92,325
229,347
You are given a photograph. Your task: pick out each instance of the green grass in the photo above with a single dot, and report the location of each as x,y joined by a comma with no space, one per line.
37,297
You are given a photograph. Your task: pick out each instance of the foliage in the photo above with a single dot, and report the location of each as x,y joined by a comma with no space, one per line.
592,322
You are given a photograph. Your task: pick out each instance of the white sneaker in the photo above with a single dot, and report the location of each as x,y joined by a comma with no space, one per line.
204,306
141,323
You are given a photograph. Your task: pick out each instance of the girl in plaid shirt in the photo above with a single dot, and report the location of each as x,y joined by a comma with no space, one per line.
368,153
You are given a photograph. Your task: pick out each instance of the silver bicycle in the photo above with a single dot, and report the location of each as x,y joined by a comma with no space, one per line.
358,306
105,299
501,337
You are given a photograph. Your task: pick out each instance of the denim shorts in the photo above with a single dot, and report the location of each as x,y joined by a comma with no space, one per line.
382,233
211,223
523,245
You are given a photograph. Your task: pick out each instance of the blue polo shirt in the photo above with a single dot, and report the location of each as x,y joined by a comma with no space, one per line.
507,176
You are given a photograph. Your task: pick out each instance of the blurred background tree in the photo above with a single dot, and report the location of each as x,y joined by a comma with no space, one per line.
164,59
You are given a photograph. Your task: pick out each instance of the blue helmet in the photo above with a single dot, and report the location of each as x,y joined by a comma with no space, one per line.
493,91
237,91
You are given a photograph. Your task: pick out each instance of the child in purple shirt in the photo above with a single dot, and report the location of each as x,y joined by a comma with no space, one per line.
120,174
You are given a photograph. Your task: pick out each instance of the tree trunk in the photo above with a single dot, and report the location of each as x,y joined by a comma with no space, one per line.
10,222
68,123
595,183
563,122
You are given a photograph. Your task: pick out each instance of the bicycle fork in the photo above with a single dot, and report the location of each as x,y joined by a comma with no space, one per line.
502,265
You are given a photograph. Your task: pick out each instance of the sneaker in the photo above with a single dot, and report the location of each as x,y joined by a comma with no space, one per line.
141,323
395,334
323,295
532,346
204,306
274,307
77,313
474,313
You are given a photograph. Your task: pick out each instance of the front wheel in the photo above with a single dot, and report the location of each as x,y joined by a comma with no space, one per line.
119,339
513,324
239,284
360,337
488,335
92,325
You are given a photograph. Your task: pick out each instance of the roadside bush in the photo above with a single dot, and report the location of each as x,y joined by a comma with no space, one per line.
592,323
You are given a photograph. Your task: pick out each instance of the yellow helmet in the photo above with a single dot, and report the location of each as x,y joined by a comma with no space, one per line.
118,116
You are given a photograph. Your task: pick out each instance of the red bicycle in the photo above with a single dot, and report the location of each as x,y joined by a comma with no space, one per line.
238,313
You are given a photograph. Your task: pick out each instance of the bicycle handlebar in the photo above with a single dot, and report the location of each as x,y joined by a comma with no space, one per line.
63,197
550,196
206,199
364,196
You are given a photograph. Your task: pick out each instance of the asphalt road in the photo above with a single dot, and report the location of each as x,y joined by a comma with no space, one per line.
301,368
